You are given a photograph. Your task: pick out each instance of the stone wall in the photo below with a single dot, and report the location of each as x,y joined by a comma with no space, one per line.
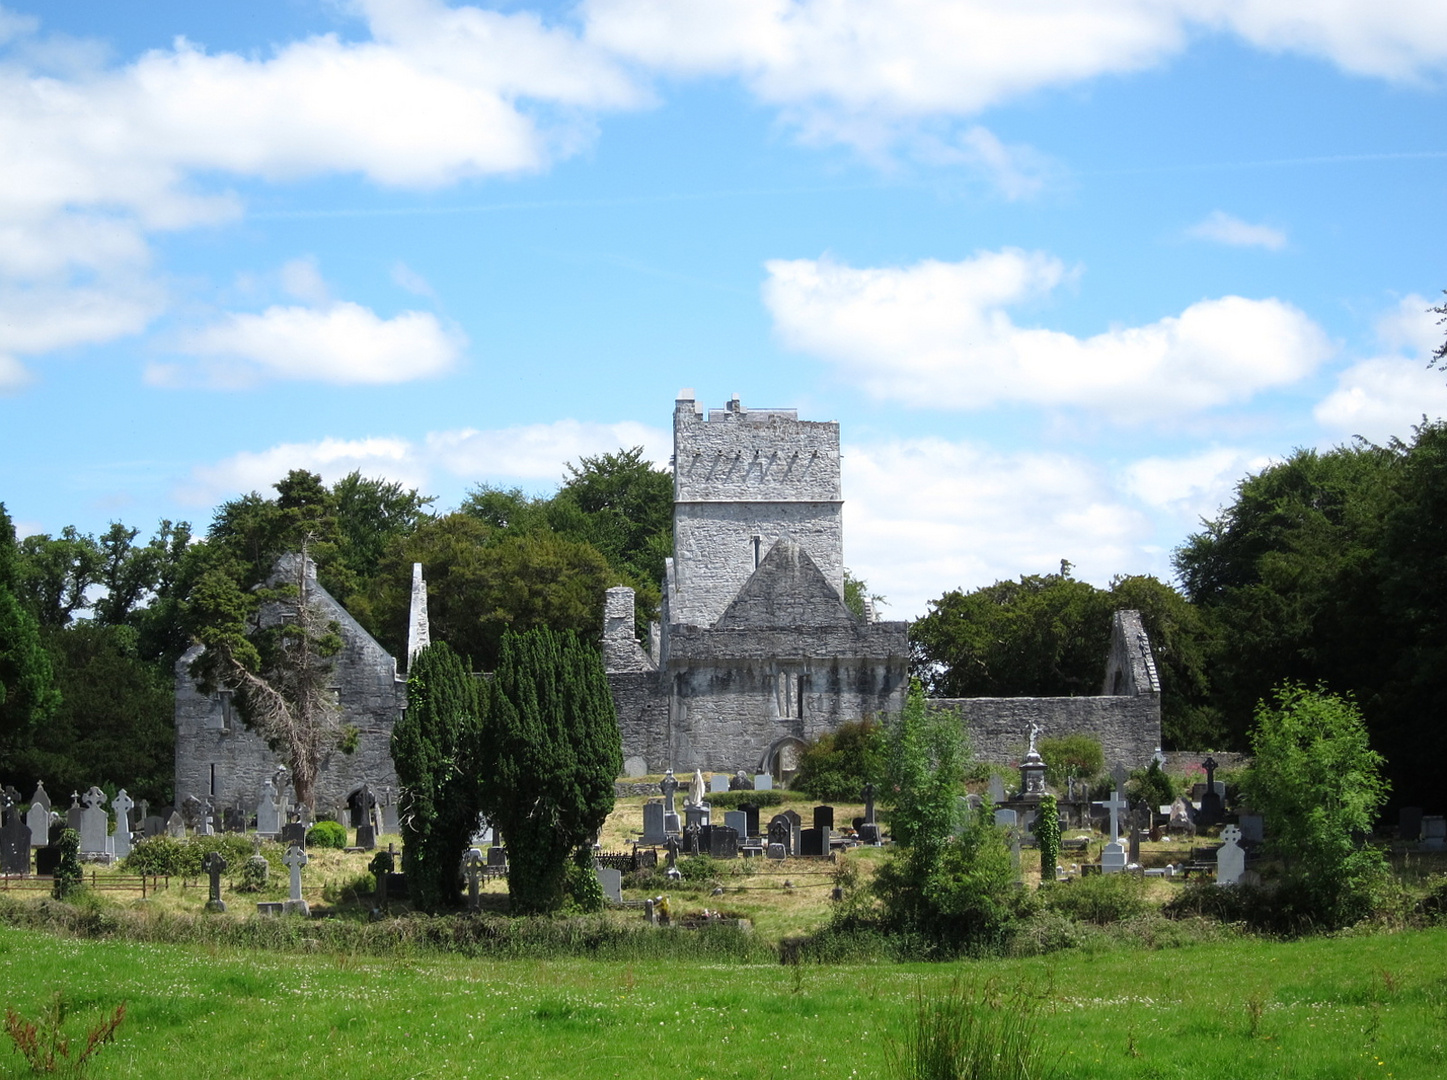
217,756
1129,728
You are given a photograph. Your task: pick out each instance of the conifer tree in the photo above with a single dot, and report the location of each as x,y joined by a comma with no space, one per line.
433,746
549,750
26,693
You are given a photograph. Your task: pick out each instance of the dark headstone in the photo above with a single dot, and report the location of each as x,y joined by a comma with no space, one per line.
293,834
233,819
154,825
813,842
723,842
752,813
690,839
366,837
741,781
214,865
823,817
72,816
47,860
781,832
57,829
497,856
1409,823
15,846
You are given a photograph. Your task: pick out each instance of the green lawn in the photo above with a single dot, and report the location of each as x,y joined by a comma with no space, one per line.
1323,1008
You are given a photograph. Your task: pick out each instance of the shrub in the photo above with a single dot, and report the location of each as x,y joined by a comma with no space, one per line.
254,874
1047,835
163,856
68,874
838,764
1099,898
1151,786
327,834
1079,756
585,891
45,1046
732,800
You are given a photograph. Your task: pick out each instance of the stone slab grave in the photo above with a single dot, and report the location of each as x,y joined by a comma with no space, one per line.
653,816
94,824
718,783
723,842
1230,857
268,813
497,857
38,817
1434,832
738,821
763,781
72,816
611,880
996,789
813,842
472,866
1212,810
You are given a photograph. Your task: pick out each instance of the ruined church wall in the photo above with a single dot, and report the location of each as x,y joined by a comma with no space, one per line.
1129,728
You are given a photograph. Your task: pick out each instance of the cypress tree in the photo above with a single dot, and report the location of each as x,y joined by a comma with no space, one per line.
433,746
549,750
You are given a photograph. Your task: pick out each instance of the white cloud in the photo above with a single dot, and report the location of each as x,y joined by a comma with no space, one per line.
1383,396
843,66
1192,487
98,158
939,334
340,343
537,451
923,516
13,375
302,280
1220,227
409,279
532,452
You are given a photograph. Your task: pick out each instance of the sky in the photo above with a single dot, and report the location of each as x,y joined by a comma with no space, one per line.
1064,270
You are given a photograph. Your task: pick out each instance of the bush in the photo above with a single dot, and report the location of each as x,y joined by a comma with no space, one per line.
165,856
1099,898
1151,786
838,764
585,891
68,875
732,800
1079,756
327,834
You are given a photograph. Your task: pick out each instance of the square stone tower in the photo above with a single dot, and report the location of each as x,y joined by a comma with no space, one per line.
743,479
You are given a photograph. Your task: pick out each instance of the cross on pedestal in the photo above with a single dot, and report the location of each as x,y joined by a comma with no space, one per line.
295,859
473,864
1115,805
1210,765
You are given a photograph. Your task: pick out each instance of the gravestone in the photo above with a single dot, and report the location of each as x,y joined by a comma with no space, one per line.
294,860
1006,818
751,814
233,820
653,831
813,842
738,821
390,822
155,824
213,864
1253,829
777,851
14,845
367,837
717,783
38,817
781,833
47,858
1230,858
611,880
1212,810
1434,832
94,825
697,815
268,814
1113,857
824,817
497,857
671,847
206,819
763,781
1182,818
121,840
723,842
741,781
472,864
1409,823
293,834
73,815
669,786
485,834
691,838
795,824
996,789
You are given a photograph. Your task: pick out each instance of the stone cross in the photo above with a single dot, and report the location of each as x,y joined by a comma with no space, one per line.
473,864
123,806
1210,765
868,795
214,865
1115,805
1230,858
295,859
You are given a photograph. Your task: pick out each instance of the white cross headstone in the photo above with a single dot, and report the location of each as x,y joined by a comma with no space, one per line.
38,817
123,806
473,863
294,860
268,814
1230,858
1113,856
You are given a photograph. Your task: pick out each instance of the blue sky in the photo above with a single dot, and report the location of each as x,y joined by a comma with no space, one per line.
1064,271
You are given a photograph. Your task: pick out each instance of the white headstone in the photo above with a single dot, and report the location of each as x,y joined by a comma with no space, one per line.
1230,858
295,859
1007,818
763,781
268,814
1112,858
94,825
123,806
612,882
38,817
718,782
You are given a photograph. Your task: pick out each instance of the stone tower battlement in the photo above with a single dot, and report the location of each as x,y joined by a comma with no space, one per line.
743,479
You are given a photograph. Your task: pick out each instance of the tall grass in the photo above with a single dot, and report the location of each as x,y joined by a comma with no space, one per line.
954,1037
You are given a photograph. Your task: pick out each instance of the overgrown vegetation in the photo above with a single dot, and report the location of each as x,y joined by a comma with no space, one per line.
953,1036
45,1046
837,765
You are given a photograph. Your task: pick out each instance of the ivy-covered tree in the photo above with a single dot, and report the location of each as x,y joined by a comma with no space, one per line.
549,750
434,746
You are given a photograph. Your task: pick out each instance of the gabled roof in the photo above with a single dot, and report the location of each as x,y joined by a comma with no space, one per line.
787,589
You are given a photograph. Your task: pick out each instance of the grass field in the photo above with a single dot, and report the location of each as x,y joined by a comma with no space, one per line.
1319,1008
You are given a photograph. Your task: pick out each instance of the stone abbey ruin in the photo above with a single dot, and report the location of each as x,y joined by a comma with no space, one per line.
755,652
